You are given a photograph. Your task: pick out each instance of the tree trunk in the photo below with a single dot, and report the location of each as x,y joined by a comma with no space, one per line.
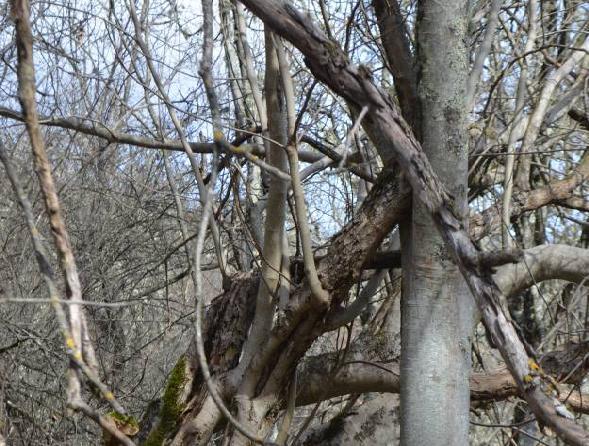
437,306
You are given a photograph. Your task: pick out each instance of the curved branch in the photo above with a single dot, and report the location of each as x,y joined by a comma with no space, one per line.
94,128
483,51
113,136
387,129
544,262
553,193
570,365
81,352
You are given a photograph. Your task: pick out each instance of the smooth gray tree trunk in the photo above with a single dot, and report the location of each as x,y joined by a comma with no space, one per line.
437,308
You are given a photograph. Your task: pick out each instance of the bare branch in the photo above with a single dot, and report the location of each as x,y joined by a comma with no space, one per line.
364,376
393,35
482,53
329,64
544,262
73,330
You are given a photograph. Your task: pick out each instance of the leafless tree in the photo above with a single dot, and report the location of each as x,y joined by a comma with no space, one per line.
311,222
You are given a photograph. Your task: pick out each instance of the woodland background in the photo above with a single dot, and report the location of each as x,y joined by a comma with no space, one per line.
160,116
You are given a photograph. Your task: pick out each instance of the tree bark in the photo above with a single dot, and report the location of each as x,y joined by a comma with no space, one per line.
436,310
386,128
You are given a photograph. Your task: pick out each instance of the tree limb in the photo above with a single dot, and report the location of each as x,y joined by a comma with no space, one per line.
398,53
384,124
543,262
553,193
378,376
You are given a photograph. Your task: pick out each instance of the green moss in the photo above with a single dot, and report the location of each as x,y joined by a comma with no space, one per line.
127,424
171,406
123,419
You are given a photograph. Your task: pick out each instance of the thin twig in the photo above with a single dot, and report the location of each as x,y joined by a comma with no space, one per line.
202,188
321,296
200,349
206,373
74,330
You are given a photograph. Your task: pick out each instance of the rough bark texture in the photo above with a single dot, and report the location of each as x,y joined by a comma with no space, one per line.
231,313
226,324
374,423
386,128
396,45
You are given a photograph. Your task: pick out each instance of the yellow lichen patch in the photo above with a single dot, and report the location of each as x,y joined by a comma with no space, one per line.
533,365
109,396
528,379
69,342
218,136
77,355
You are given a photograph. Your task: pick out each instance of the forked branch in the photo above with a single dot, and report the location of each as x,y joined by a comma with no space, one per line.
384,124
